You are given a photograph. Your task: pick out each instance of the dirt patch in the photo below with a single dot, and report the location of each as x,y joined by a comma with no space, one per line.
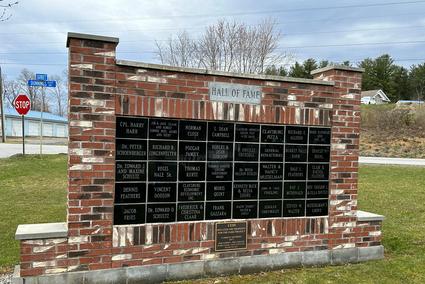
402,143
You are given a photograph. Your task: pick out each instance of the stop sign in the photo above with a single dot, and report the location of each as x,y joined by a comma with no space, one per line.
22,104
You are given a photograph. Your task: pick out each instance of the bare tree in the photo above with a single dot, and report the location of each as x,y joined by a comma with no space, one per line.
179,51
5,7
226,46
59,95
11,91
34,93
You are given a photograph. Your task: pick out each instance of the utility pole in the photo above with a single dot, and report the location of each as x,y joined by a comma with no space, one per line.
3,118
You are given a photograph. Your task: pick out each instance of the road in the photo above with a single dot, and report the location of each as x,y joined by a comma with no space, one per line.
9,149
392,161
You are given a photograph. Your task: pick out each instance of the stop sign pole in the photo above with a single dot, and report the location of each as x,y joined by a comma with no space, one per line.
22,105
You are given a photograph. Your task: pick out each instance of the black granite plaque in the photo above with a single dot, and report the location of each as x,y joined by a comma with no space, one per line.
293,208
219,171
272,134
319,135
230,236
192,171
318,171
218,210
269,209
270,190
193,130
130,149
246,171
161,213
193,211
191,191
271,152
132,127
247,133
271,171
219,191
294,190
221,131
319,153
246,152
244,209
245,190
296,134
317,189
220,151
162,192
295,153
129,214
130,192
162,150
192,151
130,171
317,207
162,171
163,128
295,171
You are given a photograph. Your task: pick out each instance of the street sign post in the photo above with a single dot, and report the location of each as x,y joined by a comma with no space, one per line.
22,105
41,81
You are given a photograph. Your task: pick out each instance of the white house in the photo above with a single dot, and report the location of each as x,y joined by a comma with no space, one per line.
374,97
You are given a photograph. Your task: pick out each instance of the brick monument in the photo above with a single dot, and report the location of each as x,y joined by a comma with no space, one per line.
178,173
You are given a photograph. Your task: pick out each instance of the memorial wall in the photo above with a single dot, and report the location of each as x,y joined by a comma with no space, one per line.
222,172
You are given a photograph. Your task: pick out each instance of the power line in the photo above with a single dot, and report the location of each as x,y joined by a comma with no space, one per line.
267,65
284,34
275,11
280,48
203,27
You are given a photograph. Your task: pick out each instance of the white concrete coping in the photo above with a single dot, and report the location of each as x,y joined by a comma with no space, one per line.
368,216
41,231
222,73
337,67
91,37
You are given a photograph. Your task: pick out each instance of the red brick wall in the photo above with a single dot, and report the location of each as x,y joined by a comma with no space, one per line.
99,89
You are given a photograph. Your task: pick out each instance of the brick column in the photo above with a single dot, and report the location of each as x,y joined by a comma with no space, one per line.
91,150
344,153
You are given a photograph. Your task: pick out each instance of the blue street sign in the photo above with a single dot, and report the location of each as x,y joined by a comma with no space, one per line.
41,77
50,84
35,83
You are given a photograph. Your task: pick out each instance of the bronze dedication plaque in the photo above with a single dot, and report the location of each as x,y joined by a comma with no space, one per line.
230,236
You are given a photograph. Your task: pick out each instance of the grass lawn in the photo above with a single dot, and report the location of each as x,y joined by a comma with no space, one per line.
32,190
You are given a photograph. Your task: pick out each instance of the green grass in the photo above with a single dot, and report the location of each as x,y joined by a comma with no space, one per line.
32,190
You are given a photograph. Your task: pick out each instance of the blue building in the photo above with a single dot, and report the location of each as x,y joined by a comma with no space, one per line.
53,125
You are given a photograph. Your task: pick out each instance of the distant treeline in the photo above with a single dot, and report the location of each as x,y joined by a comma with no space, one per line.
396,81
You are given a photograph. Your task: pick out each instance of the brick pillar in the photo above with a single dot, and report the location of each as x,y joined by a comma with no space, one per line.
344,153
91,150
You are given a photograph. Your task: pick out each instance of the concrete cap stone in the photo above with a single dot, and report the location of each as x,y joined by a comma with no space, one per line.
91,37
337,67
368,216
41,231
222,73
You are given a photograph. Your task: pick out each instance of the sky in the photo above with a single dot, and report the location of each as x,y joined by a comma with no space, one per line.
34,36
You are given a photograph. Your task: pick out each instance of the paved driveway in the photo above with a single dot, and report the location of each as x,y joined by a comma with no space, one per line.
392,161
7,150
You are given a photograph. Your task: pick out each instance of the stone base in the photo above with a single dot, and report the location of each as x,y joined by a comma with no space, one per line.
208,268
